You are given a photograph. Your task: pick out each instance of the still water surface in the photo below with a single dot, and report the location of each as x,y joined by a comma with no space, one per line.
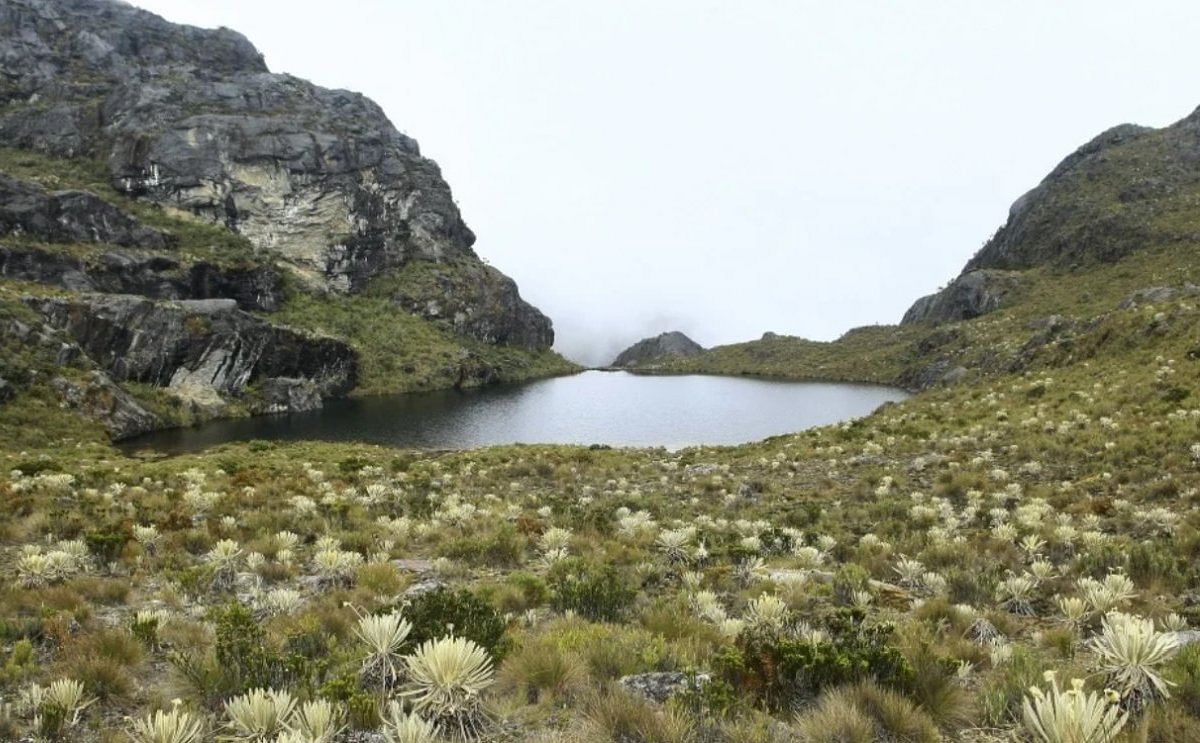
593,407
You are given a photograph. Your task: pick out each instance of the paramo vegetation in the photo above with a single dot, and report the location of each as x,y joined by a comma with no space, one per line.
1011,557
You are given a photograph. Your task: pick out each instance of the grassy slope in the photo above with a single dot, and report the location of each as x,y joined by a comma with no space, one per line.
404,353
1094,444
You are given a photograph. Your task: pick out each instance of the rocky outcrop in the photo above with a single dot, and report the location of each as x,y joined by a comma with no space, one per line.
28,210
970,295
657,348
476,300
192,119
1158,294
150,275
205,344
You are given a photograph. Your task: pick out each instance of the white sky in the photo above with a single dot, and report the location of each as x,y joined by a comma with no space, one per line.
727,168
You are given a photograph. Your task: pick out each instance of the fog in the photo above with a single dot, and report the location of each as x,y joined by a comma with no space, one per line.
728,168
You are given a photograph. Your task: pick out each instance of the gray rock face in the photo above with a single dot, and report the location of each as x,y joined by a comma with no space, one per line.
153,275
204,344
1032,235
657,348
193,120
26,209
970,295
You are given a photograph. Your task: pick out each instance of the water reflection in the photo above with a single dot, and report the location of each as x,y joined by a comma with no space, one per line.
590,408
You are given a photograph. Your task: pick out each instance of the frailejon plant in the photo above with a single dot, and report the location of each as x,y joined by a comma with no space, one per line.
175,726
406,727
259,714
446,677
1131,652
1072,716
316,721
384,635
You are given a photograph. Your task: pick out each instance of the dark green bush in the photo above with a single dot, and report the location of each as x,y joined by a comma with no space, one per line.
595,592
444,612
780,673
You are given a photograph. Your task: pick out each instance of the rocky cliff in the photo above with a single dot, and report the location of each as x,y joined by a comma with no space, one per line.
168,162
659,348
1128,189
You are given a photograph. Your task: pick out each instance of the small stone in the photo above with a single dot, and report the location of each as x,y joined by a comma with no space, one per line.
661,686
423,587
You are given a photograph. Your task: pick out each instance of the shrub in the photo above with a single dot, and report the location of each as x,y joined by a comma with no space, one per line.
241,647
361,705
779,671
442,612
599,593
1184,673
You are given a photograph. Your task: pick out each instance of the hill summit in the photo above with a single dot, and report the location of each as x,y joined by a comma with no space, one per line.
665,345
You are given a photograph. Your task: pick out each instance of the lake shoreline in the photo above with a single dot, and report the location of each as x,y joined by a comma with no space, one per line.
592,407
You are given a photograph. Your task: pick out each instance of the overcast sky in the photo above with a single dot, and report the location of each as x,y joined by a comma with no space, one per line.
728,168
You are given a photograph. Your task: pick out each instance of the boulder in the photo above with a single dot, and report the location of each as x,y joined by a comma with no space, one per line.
100,399
290,395
658,348
662,686
1158,295
970,295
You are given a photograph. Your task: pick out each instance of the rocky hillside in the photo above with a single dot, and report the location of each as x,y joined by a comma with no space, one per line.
658,348
167,162
1112,230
